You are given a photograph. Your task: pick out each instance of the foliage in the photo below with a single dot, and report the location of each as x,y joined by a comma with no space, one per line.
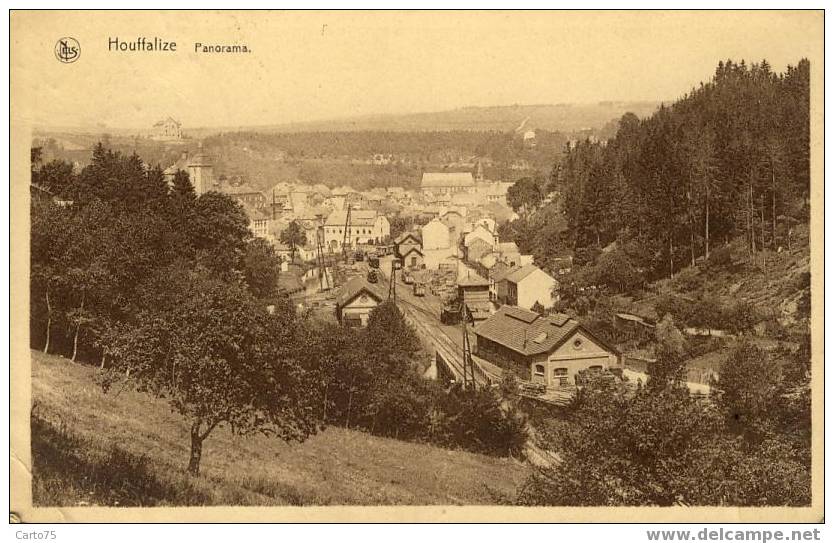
261,267
729,159
293,236
749,382
664,448
215,353
167,289
525,195
370,382
705,311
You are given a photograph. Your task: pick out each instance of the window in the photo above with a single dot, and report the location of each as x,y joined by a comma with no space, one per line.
577,343
540,370
353,321
595,368
558,372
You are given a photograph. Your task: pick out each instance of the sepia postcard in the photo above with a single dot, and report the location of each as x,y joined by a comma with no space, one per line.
416,266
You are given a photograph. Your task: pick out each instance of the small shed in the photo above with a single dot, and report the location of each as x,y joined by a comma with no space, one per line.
474,292
355,301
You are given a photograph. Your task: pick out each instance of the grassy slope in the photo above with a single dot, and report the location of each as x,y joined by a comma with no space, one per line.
128,447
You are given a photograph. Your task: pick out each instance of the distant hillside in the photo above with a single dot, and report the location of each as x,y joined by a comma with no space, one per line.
564,118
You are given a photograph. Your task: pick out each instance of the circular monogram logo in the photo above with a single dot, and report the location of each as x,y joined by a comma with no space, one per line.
67,50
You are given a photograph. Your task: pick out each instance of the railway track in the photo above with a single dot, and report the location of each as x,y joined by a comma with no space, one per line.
451,353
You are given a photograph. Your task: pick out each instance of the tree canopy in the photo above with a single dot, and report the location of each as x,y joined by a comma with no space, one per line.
167,289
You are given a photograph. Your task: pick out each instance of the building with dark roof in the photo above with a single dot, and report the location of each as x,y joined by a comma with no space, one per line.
549,350
437,183
473,290
407,241
355,301
246,194
413,258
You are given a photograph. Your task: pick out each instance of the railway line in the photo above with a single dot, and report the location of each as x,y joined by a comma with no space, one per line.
447,351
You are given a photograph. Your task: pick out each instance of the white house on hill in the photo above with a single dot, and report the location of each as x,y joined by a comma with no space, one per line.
526,285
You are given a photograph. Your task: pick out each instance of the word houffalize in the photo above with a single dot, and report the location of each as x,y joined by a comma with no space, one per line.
156,44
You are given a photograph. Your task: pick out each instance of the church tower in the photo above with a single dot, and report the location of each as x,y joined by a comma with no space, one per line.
479,174
201,173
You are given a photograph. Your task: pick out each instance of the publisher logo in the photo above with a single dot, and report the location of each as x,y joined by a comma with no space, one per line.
67,50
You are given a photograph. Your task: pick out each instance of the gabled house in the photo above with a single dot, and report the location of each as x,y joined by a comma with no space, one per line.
525,286
407,241
455,222
477,249
355,301
413,258
481,232
549,350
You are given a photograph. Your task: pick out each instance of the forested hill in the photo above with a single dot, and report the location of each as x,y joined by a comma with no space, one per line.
564,118
728,161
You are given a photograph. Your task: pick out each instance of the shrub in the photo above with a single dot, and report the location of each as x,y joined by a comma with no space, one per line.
719,259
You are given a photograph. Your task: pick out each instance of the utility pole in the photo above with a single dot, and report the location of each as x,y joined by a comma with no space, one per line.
392,286
323,280
346,237
468,363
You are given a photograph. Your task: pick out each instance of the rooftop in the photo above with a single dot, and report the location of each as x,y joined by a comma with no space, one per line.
358,217
355,287
508,247
405,235
457,179
526,332
518,274
500,270
473,280
240,189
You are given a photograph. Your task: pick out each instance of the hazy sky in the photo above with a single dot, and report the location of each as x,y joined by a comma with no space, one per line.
307,66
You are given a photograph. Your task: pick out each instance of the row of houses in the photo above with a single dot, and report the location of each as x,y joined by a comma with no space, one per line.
462,189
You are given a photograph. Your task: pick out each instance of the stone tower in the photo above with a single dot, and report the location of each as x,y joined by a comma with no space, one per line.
201,173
